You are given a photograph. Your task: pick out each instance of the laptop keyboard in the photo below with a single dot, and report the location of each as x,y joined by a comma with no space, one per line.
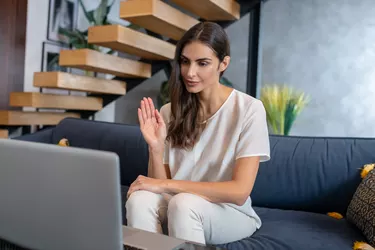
127,247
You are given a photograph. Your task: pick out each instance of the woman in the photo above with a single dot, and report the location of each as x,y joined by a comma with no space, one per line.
205,147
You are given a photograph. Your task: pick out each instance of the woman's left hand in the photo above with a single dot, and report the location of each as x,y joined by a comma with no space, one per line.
147,183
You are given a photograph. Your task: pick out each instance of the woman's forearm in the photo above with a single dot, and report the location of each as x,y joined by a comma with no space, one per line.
216,192
156,168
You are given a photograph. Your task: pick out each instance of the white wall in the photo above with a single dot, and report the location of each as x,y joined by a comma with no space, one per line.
36,33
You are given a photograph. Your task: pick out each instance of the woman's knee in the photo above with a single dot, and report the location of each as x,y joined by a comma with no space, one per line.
185,203
142,199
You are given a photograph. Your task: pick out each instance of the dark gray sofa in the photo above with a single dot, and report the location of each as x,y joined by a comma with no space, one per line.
305,178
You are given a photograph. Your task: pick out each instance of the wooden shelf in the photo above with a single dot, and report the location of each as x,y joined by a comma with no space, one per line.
39,100
4,134
157,16
62,80
96,61
212,10
20,118
130,41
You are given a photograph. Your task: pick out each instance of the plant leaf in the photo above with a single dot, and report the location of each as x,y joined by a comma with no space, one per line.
226,82
109,8
134,26
282,105
89,15
81,42
163,96
85,33
101,12
74,41
106,22
111,52
290,116
66,32
91,46
74,36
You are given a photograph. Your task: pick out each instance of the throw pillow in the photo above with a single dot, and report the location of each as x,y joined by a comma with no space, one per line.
361,210
63,142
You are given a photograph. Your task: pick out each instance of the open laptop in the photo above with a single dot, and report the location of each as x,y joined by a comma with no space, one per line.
56,197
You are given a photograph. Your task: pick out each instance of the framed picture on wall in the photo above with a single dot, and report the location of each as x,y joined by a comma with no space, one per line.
62,14
50,57
50,62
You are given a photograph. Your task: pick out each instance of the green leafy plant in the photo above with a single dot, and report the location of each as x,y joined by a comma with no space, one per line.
99,16
282,104
163,96
79,39
223,80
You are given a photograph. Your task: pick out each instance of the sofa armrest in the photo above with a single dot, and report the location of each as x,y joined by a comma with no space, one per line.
44,136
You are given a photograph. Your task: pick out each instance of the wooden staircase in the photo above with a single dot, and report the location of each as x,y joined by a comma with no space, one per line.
131,41
19,118
157,17
93,60
3,134
62,80
39,100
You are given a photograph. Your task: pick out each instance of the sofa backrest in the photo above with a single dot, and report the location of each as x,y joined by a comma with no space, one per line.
305,173
125,140
311,173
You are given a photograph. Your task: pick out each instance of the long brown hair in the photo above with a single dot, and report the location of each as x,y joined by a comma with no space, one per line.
184,129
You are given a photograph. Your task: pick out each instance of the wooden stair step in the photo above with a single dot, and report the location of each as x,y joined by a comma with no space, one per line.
53,101
158,17
133,42
21,118
62,80
212,10
4,134
93,60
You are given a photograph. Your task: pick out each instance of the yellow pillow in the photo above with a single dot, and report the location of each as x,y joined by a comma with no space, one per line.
361,209
64,143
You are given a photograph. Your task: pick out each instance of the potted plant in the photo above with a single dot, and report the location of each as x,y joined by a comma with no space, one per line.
98,16
282,104
79,39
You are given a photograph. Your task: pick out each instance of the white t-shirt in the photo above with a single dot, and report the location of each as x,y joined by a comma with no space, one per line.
238,129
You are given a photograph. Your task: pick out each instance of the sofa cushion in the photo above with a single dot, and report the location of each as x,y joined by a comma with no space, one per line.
288,229
124,140
124,194
313,174
361,210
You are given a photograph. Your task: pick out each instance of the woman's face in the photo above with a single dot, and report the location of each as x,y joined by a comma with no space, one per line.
200,68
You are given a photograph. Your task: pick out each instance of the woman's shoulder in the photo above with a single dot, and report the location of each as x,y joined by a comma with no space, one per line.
165,111
166,107
247,102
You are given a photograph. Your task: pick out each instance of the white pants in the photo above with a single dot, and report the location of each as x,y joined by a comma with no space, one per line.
188,217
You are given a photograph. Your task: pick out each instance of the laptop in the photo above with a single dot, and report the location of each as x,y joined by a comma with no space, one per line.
55,197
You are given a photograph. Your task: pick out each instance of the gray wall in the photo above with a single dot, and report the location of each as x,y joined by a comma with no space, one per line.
325,48
126,106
